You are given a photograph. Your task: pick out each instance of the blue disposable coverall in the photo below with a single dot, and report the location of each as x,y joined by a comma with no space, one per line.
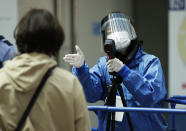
143,86
7,50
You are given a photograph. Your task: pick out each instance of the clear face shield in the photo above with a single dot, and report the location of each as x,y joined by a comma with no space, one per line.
117,26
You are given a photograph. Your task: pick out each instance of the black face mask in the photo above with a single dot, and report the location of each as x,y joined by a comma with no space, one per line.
130,52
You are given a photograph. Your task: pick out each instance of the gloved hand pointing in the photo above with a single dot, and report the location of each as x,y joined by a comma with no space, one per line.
77,59
114,65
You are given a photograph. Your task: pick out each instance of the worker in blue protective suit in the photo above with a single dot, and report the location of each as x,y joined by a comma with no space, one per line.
7,50
143,81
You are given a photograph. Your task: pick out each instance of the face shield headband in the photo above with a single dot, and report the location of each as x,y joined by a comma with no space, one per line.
117,22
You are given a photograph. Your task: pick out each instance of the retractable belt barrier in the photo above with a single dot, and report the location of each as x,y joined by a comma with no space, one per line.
171,111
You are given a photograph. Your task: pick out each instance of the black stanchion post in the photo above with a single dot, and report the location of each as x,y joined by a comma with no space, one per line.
109,48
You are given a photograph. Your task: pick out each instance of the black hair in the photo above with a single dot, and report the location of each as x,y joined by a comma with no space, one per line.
39,31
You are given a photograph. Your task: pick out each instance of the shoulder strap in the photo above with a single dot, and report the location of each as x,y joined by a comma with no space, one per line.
1,64
33,100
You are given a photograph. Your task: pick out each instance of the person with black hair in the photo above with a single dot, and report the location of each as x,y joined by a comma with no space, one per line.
142,78
7,50
61,104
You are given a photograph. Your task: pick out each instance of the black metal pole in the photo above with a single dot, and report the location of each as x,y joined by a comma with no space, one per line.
111,101
55,7
73,24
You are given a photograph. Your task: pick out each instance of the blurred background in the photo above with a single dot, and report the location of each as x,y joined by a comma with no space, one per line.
160,24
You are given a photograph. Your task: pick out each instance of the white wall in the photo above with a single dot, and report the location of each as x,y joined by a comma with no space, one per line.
177,48
90,11
66,24
26,5
12,10
8,18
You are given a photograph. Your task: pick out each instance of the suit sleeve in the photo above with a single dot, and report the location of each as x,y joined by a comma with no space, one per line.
92,80
147,87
